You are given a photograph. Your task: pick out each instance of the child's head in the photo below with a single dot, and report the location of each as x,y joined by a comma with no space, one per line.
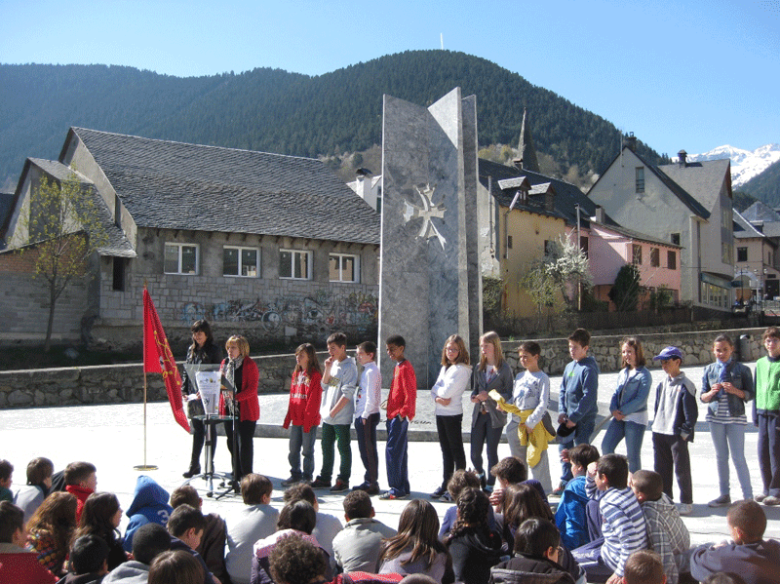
490,350
293,560
39,471
473,507
337,346
256,489
57,515
306,359
357,505
460,480
612,472
644,567
419,522
89,555
747,521
175,567
671,360
12,524
529,355
509,471
632,353
395,347
101,514
366,352
6,473
186,495
522,502
81,474
538,538
579,341
149,541
187,523
301,492
581,456
647,485
454,351
771,341
722,348
299,515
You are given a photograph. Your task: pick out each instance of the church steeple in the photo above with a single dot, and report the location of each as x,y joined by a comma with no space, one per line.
525,147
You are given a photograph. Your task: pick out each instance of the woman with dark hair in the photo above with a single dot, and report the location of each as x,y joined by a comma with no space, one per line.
416,549
50,531
101,516
203,350
473,547
242,373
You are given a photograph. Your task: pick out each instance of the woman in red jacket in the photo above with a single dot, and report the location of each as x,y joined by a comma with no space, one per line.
242,373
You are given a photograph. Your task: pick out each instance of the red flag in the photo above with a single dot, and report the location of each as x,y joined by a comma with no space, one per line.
159,359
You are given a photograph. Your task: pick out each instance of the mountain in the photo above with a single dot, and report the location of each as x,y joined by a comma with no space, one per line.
766,186
288,113
745,165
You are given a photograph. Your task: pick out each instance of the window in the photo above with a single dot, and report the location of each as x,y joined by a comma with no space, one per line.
640,179
726,252
509,241
549,247
636,254
584,245
119,274
675,238
181,258
344,267
295,264
241,261
671,260
742,254
655,257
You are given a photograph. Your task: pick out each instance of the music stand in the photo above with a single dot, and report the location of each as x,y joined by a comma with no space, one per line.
206,378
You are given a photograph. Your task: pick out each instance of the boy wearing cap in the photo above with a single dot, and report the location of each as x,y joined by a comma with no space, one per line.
676,412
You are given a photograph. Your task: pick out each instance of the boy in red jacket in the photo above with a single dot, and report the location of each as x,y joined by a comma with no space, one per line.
81,482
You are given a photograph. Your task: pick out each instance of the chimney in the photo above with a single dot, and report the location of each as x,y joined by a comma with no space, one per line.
599,216
631,142
682,155
518,162
549,200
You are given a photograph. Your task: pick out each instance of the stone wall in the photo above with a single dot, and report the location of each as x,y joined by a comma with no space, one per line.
124,383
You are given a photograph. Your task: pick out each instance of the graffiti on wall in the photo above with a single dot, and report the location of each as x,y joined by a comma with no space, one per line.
294,316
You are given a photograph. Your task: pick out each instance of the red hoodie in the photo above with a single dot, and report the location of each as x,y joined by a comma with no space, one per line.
81,495
305,397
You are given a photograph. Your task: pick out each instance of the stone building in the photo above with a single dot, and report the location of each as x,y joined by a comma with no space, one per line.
273,247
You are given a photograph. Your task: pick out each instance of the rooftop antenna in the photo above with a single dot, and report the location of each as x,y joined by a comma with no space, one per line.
441,39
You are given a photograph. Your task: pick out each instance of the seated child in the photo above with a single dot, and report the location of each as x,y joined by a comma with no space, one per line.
459,481
88,561
624,525
81,482
644,567
150,505
474,547
149,541
17,564
356,547
511,471
6,479
666,532
756,560
570,517
211,546
30,496
294,560
186,526
326,526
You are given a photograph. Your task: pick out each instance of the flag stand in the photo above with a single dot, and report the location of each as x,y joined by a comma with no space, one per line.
145,466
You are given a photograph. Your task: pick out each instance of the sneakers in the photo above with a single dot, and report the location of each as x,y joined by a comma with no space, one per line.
438,493
320,483
685,508
391,496
722,501
771,500
339,487
446,498
760,497
291,481
370,489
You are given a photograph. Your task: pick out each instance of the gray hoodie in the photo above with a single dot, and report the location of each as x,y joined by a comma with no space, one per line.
132,572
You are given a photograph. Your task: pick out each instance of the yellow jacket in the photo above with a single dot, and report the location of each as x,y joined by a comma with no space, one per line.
538,439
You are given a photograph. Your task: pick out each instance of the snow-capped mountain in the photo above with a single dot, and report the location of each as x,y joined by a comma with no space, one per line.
744,163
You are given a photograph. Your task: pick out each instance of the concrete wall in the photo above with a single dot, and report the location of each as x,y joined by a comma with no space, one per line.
124,383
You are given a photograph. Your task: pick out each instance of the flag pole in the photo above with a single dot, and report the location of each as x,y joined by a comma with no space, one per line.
145,466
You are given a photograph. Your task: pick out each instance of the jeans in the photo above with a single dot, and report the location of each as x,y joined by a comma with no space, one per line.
582,433
731,437
634,434
590,559
397,456
300,440
366,438
671,453
243,459
331,433
483,431
451,443
769,452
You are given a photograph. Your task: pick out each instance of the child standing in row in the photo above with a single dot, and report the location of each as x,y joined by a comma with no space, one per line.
337,411
303,412
766,413
367,415
726,386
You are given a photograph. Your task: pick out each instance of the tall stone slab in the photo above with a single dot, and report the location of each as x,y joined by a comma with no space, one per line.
430,283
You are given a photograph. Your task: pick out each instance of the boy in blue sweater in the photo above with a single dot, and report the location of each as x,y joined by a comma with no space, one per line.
577,400
570,517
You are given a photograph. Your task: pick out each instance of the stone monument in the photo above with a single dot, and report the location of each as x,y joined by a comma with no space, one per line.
430,285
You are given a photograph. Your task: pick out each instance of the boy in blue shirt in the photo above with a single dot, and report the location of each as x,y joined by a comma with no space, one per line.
570,517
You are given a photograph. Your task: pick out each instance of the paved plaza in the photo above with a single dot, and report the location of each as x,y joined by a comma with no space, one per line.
112,437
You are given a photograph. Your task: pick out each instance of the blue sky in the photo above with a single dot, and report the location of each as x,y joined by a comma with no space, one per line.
692,75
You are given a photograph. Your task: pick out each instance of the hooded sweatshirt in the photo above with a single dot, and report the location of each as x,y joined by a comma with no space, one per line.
150,505
473,554
132,572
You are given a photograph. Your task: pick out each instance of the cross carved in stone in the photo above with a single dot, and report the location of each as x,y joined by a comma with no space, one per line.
427,213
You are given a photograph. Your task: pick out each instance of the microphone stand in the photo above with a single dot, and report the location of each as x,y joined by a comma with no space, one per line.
232,484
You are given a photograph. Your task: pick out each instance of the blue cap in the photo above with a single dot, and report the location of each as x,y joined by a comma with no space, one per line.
669,353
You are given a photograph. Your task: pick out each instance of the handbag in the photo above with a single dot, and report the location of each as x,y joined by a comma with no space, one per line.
195,408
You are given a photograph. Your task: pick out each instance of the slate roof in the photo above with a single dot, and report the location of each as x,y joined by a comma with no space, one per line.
174,185
702,180
760,211
744,229
511,177
6,204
